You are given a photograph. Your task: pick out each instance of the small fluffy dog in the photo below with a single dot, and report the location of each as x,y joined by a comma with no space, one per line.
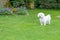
44,19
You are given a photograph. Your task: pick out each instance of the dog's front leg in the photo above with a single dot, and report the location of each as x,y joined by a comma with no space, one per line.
41,22
44,23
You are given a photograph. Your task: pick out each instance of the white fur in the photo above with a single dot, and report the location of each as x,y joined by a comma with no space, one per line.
44,19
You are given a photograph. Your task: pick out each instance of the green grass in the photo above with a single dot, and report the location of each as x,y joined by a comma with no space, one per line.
22,27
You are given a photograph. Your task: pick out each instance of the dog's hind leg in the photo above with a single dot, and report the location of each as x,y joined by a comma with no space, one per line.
49,22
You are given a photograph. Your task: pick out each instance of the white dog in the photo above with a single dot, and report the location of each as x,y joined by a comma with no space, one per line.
44,19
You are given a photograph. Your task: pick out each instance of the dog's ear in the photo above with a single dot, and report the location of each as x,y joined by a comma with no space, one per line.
41,14
38,15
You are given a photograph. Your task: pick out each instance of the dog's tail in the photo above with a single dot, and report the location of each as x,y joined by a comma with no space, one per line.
49,16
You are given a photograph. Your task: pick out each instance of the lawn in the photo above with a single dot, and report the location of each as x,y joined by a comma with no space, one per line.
22,27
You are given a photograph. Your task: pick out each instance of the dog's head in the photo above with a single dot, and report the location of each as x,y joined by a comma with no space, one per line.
41,15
